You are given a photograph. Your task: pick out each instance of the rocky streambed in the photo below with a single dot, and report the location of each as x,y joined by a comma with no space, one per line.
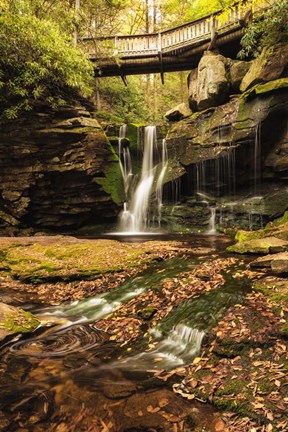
171,335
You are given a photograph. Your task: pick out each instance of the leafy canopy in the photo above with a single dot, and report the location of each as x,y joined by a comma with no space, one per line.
37,61
268,29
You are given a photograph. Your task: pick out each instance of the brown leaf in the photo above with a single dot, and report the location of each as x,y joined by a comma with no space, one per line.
163,402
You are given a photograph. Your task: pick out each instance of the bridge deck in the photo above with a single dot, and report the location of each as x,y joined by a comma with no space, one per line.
176,49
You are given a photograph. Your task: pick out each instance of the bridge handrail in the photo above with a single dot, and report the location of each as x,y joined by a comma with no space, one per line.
166,40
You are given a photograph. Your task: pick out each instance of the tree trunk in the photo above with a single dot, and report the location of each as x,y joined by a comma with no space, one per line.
77,7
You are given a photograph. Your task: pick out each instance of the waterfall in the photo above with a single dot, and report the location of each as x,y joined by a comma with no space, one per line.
159,185
124,159
257,159
211,228
135,215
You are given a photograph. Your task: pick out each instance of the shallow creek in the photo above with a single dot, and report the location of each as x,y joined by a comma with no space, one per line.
70,376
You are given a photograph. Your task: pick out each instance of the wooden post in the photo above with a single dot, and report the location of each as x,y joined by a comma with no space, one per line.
213,33
159,42
124,79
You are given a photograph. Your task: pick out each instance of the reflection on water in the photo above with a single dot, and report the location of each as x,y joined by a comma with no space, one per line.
65,341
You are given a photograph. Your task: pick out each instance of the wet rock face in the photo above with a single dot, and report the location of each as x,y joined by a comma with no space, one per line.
178,113
54,169
234,152
231,130
270,65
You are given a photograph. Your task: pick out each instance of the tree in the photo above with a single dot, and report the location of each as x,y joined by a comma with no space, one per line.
266,30
38,60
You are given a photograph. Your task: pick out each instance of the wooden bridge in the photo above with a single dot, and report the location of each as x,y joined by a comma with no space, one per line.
176,49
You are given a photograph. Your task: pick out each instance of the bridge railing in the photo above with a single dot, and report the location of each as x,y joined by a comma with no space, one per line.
169,40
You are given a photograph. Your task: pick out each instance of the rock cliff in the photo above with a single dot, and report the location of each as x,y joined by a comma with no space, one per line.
57,170
232,152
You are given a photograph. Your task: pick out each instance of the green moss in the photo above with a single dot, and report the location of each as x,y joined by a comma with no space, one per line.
249,235
277,291
231,387
132,134
268,87
112,183
108,116
230,348
265,386
19,321
259,246
279,222
284,330
66,261
147,312
241,407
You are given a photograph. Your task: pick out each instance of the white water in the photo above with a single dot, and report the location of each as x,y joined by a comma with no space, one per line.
212,220
124,159
257,159
135,215
159,185
177,348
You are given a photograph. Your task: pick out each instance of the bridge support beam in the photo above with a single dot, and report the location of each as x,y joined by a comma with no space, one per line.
213,41
124,79
161,67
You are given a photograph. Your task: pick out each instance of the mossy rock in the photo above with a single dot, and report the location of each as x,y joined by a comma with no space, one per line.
112,183
147,313
67,259
242,235
268,87
260,246
267,67
133,135
277,291
15,320
279,222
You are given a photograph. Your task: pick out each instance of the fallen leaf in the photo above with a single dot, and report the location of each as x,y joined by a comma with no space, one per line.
163,402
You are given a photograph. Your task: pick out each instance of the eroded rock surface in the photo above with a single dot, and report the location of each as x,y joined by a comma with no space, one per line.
57,170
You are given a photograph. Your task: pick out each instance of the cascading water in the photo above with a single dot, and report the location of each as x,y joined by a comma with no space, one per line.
159,185
124,159
212,221
257,159
135,215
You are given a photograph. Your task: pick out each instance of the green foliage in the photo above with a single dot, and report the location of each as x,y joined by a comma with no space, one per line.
143,100
38,61
268,29
181,11
126,103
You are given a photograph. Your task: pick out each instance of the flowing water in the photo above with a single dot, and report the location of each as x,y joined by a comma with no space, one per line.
135,217
124,159
73,363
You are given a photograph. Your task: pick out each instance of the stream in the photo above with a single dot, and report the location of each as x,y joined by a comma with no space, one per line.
71,371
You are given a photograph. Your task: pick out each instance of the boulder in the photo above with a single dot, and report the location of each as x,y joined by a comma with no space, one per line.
270,65
212,82
213,85
179,112
238,70
15,320
260,246
277,263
